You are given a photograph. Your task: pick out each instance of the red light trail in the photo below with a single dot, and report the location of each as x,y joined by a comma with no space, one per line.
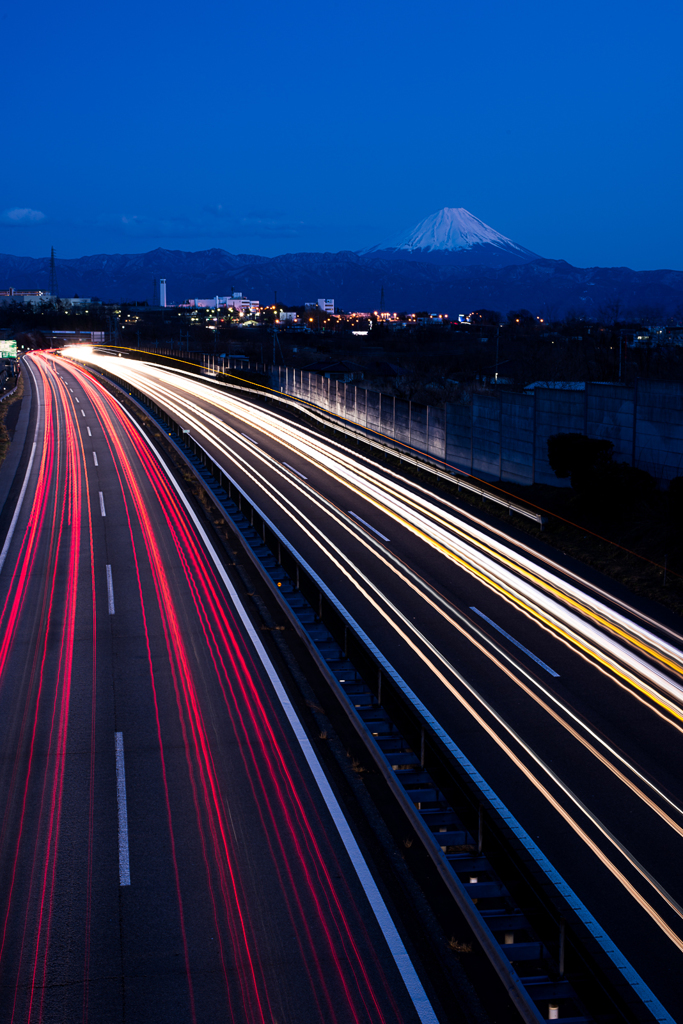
208,689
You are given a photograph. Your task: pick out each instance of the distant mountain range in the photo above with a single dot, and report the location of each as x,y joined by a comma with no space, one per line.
450,263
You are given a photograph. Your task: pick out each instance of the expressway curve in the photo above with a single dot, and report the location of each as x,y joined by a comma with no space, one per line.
168,847
568,699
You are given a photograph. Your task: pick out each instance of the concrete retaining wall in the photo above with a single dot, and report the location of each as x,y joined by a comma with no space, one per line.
504,436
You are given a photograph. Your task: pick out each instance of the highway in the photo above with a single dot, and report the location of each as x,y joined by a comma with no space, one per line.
170,848
565,696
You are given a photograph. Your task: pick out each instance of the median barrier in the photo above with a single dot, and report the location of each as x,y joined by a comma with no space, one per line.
550,953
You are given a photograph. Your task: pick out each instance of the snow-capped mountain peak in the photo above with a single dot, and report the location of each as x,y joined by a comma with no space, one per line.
447,233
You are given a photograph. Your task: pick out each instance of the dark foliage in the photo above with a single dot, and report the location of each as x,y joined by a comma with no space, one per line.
611,486
578,457
486,317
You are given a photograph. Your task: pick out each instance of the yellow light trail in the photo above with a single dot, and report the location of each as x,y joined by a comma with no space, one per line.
208,423
555,604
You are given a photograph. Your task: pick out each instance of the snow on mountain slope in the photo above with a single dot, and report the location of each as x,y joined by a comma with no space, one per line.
453,235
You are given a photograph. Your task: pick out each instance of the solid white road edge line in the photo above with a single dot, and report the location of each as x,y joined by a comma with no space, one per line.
512,640
94,456
20,501
110,591
371,528
124,859
419,997
102,509
295,470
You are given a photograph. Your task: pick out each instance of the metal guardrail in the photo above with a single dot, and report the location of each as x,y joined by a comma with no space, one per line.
393,448
550,953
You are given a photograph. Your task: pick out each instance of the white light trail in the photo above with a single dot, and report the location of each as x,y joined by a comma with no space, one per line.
579,619
619,643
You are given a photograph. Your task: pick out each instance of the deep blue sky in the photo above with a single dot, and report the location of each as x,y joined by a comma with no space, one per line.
277,127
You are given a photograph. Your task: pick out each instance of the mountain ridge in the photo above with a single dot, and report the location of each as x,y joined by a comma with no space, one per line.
546,287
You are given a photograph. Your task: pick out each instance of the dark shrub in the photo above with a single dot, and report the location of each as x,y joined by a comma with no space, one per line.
582,458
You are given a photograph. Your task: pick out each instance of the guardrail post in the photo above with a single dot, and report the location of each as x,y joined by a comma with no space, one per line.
457,769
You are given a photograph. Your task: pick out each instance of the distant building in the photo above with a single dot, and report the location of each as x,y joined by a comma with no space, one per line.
557,385
37,298
653,335
75,337
25,298
239,303
342,370
327,305
431,320
236,301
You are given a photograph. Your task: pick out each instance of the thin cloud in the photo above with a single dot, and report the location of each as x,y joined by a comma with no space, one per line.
212,222
21,216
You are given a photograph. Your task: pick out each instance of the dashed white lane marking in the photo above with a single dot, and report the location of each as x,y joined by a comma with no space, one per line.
399,953
94,455
110,592
249,438
512,640
295,470
371,528
124,858
103,511
89,431
82,412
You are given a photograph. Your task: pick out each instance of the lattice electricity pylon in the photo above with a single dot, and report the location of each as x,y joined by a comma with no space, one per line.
53,272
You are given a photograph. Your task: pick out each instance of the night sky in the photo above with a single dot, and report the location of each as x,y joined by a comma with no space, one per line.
283,127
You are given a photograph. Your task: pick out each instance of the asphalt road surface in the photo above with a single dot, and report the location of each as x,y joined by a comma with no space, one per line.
565,694
168,847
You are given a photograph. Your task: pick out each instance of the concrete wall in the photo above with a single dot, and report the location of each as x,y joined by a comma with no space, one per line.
658,431
504,436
